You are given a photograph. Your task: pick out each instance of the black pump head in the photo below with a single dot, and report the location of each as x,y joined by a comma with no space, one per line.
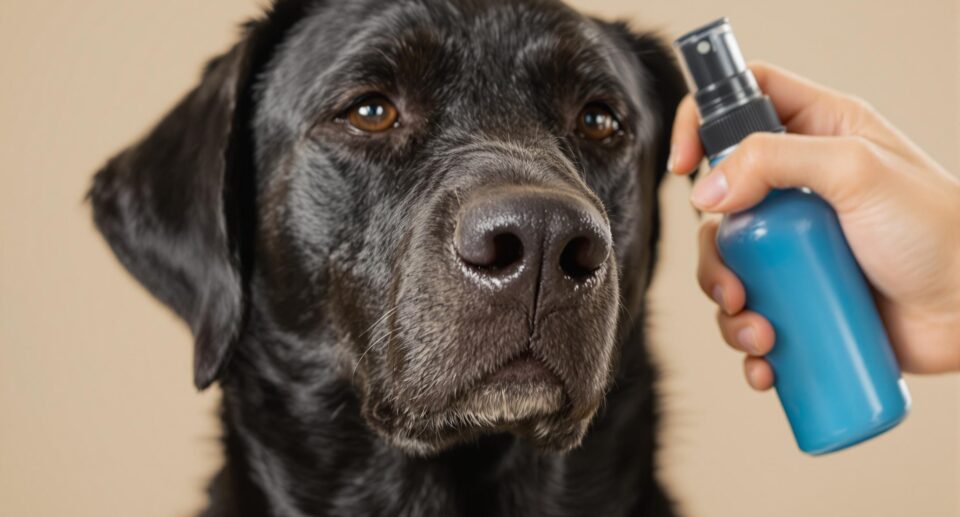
728,98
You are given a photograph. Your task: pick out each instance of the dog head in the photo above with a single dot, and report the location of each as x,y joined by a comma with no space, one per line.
445,203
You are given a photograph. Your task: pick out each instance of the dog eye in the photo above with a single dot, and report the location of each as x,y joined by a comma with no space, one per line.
373,114
597,122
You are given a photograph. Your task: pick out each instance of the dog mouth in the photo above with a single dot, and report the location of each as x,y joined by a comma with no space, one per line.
536,390
522,370
522,389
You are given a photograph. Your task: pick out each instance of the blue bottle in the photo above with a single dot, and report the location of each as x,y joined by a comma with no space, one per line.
835,372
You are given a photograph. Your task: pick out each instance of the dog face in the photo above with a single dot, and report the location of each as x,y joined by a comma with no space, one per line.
441,202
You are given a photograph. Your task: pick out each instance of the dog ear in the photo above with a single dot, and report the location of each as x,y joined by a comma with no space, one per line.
665,86
177,207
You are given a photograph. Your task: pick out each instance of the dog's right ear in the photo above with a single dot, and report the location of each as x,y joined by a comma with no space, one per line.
177,207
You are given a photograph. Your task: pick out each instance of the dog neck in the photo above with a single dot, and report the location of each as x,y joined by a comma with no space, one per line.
334,464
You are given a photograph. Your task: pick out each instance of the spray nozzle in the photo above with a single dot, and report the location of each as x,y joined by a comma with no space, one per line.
711,54
730,103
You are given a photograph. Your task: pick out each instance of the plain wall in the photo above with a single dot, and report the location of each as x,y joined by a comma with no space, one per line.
98,415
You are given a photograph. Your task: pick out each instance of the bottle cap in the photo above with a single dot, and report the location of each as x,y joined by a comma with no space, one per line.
728,98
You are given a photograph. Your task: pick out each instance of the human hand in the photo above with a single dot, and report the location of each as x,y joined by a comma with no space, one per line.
899,210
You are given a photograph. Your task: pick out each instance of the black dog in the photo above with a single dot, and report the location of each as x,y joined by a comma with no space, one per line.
412,239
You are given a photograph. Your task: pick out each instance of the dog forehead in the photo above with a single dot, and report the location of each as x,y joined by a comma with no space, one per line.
484,39
477,21
482,54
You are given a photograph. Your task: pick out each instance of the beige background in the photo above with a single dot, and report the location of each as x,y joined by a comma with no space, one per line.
97,412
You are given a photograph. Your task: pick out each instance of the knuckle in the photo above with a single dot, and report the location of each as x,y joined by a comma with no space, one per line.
862,158
859,112
707,264
722,322
702,279
860,105
703,276
752,152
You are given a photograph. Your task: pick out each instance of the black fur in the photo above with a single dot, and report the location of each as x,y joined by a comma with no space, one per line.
313,262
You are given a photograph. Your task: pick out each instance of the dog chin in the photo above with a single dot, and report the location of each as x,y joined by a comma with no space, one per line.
499,405
537,412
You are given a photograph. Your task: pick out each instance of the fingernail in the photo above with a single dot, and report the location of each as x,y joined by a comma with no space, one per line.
710,190
747,339
671,158
717,295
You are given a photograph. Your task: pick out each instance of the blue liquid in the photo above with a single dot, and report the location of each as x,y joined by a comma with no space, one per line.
836,374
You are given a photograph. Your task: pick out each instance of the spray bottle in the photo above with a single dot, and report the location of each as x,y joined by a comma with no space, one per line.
835,372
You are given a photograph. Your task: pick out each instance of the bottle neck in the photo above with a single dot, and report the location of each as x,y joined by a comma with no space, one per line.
727,129
722,97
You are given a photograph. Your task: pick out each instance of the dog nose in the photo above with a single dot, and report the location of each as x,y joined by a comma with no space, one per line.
532,230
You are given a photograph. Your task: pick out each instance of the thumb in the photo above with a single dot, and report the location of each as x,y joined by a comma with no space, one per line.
842,170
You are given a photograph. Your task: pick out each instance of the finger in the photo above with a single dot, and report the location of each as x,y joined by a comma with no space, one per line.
758,372
809,108
843,170
685,149
716,280
747,332
802,105
791,94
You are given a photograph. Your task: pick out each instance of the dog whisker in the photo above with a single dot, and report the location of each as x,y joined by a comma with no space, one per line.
386,314
389,334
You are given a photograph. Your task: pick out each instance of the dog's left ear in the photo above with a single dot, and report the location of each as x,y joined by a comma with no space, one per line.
665,84
662,81
178,207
